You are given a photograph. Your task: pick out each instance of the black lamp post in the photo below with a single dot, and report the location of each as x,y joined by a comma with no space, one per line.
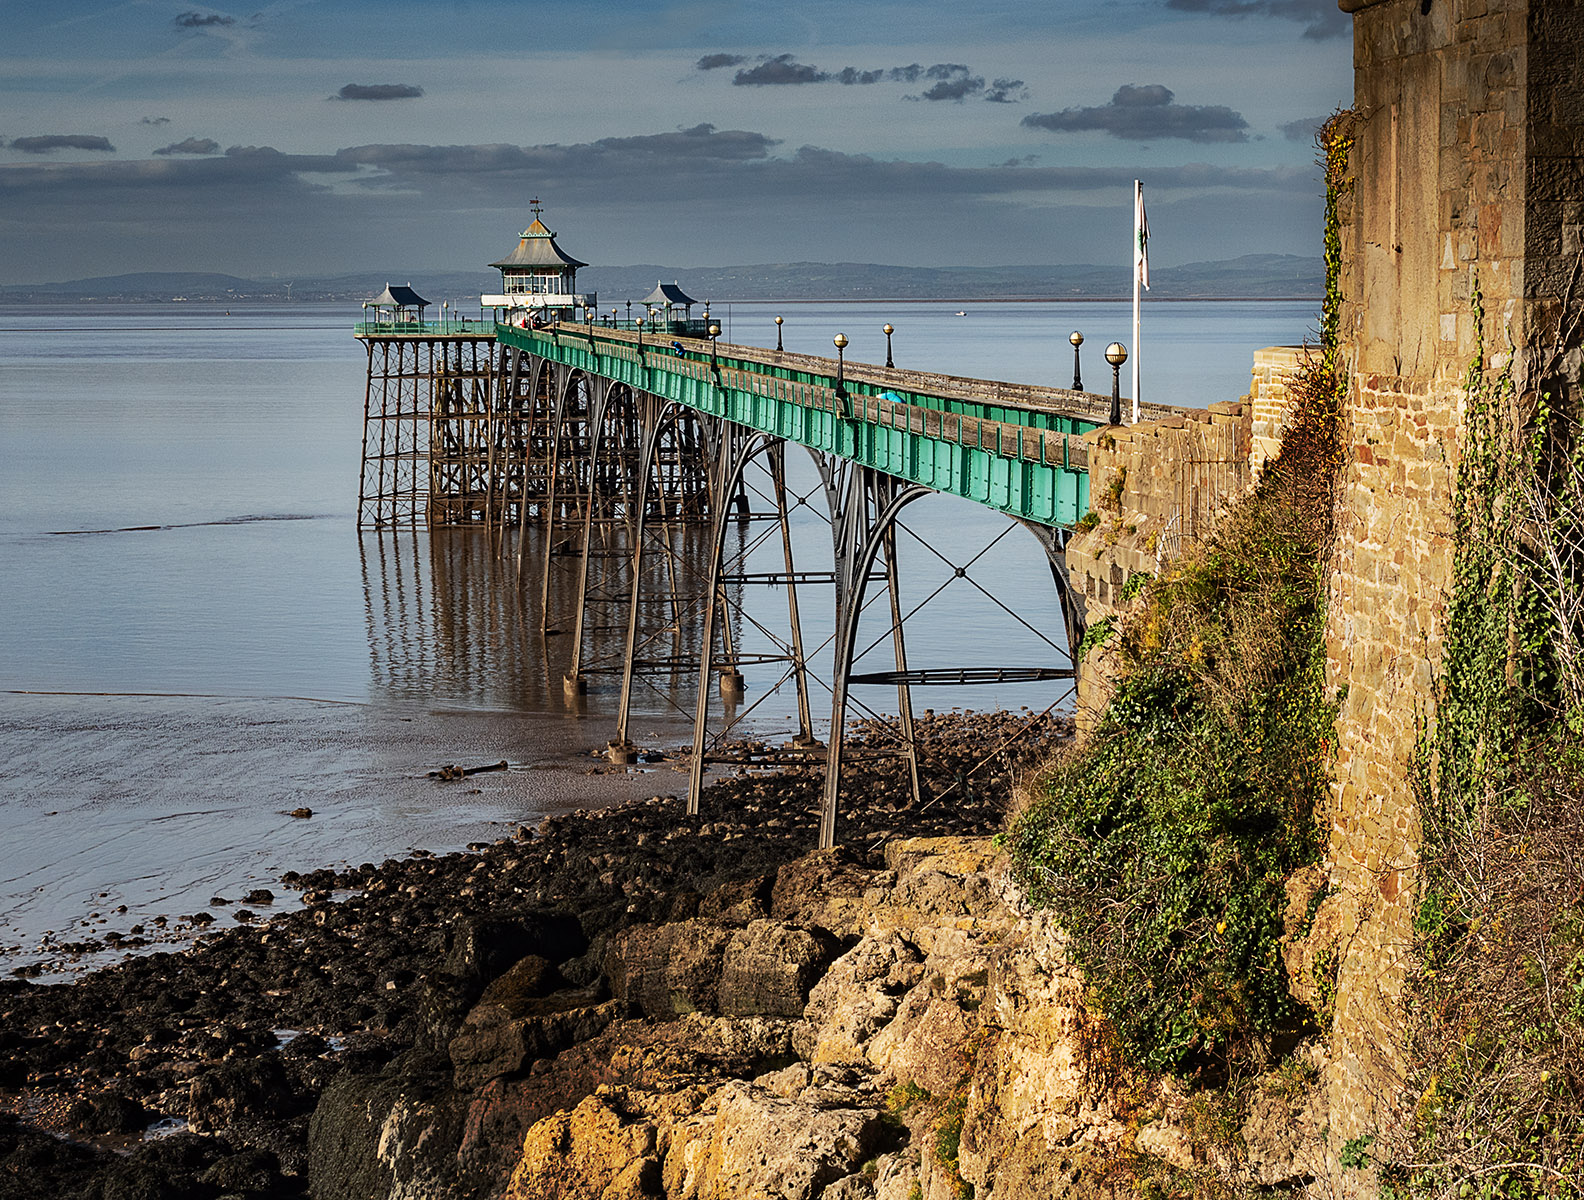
840,342
778,335
714,332
629,312
1116,355
1076,339
888,332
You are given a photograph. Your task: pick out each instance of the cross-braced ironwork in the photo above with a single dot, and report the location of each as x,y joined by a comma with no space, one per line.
624,457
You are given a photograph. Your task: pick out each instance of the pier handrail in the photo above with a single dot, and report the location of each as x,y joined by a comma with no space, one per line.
1016,448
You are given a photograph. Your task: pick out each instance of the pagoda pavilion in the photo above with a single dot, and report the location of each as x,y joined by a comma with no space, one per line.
538,279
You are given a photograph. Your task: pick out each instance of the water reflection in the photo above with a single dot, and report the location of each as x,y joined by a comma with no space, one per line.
450,620
454,619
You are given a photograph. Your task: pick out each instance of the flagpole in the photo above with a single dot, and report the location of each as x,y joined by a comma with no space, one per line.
1138,272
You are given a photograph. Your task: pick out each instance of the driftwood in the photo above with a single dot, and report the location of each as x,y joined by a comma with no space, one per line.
451,771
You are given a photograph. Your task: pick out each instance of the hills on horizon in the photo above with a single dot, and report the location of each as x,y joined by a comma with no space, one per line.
1252,276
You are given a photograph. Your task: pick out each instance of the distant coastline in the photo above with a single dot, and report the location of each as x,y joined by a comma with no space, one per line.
1251,277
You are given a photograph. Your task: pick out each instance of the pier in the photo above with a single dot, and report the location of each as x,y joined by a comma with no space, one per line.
624,439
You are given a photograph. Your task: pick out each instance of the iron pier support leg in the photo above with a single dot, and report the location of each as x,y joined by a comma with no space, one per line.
904,692
620,748
712,595
805,734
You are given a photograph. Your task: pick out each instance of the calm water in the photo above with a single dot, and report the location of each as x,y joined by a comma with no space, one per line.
196,639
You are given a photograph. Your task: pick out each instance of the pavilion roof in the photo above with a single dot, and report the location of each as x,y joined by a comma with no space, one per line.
668,293
399,296
538,248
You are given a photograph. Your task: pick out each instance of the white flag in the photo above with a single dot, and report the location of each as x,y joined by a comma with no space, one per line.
1141,237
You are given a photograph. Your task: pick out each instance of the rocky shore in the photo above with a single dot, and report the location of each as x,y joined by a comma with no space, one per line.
631,1003
485,990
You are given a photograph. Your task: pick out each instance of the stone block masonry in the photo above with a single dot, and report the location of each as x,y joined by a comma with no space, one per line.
1467,170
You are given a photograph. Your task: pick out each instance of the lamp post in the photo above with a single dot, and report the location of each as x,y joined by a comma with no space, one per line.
714,332
778,335
629,312
888,332
1076,339
1116,355
840,342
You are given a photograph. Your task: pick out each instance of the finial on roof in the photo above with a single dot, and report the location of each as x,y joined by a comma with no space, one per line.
535,206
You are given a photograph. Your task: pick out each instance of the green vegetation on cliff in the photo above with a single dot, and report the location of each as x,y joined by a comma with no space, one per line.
1163,841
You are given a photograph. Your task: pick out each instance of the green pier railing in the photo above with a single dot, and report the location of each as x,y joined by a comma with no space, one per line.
1012,447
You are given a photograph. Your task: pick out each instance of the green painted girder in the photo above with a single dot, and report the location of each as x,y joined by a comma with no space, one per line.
1026,463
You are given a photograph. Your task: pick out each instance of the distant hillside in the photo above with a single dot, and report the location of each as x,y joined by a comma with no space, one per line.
1254,276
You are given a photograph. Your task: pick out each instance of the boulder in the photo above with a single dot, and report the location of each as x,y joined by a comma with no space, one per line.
769,967
823,889
481,949
110,1112
747,1142
668,970
857,998
599,1151
393,1136
495,1042
242,1090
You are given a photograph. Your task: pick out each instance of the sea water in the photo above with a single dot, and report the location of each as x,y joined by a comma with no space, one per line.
196,640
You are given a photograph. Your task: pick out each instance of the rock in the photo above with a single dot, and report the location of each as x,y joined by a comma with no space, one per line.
850,1187
249,1171
248,1089
857,998
667,970
110,1112
1284,1131
1034,1091
739,901
259,896
926,1042
896,1175
529,978
480,949
496,1041
392,1135
769,967
302,814
747,1142
598,1151
822,889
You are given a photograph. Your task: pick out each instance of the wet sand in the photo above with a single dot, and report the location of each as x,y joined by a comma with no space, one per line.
122,809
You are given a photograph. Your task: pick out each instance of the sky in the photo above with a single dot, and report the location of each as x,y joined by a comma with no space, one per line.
319,137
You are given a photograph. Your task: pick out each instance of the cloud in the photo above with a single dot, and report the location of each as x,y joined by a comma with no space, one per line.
191,146
1321,18
711,62
197,20
1006,91
783,69
379,91
955,89
1145,113
47,143
1302,130
155,121
347,209
949,81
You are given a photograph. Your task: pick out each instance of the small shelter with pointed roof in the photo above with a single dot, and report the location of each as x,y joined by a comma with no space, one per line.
398,304
667,296
538,275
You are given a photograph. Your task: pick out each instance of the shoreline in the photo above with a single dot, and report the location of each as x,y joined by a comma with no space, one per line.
168,802
383,962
